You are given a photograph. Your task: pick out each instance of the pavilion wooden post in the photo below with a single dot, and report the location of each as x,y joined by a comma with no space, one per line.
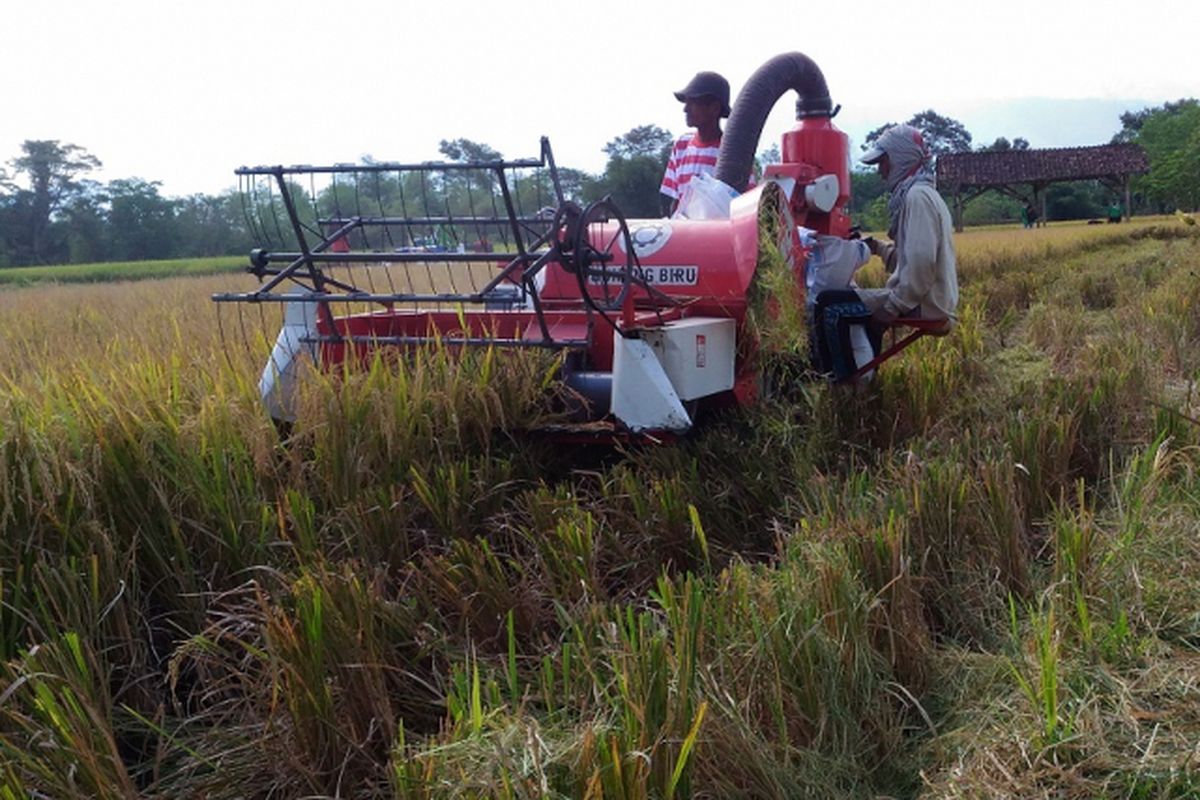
958,209
1128,207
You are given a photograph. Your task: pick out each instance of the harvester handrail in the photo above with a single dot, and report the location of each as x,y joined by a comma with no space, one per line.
385,257
546,158
424,166
349,297
451,341
447,220
266,293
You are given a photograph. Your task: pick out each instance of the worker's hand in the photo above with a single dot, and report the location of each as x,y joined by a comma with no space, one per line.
872,244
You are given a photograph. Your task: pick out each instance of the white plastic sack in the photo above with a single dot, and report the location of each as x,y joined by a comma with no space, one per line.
704,197
832,262
862,348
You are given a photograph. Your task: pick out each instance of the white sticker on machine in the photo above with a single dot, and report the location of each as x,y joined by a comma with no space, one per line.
665,275
648,237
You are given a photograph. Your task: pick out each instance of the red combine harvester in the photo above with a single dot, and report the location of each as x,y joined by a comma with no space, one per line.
652,316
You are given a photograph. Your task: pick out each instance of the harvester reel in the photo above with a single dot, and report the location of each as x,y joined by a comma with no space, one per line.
565,229
608,263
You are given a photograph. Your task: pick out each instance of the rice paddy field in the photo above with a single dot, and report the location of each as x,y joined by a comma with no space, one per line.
978,577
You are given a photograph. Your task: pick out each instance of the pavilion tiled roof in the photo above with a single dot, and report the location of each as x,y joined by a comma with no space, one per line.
1040,166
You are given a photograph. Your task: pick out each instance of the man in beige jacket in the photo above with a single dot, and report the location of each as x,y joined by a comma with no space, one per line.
923,279
920,259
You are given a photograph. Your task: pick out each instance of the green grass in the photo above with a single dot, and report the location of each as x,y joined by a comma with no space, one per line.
118,271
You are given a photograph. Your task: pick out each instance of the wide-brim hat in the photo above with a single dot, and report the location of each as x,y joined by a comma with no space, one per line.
707,84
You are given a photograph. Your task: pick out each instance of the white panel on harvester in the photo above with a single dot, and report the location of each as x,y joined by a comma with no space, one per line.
696,353
642,395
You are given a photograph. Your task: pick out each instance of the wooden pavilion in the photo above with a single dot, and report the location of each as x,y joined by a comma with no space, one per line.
965,176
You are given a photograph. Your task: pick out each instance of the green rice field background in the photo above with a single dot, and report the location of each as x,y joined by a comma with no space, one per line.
118,271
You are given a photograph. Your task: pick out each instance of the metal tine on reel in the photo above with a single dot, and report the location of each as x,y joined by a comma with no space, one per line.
429,236
516,209
362,231
387,235
446,233
493,190
273,206
480,232
253,330
407,232
247,333
245,192
335,195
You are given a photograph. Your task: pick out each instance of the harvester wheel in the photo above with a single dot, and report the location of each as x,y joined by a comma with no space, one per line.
603,254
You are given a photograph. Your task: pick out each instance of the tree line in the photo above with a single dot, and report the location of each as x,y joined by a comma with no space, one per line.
52,212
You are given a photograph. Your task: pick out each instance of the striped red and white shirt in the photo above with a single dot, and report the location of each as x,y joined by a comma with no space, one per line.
689,157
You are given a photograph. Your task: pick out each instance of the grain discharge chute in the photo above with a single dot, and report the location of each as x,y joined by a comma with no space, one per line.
655,319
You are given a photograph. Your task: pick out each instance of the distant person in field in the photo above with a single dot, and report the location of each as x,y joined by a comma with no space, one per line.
1031,213
923,272
705,103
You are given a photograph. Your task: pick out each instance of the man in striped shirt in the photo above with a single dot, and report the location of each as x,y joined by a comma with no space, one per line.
705,103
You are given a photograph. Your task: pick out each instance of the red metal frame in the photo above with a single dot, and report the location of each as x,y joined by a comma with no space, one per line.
714,261
919,328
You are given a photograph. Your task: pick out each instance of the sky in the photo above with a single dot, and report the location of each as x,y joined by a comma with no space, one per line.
184,92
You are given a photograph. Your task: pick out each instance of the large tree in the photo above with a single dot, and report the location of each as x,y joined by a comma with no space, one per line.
53,173
466,193
211,225
636,160
1132,121
85,223
141,221
465,150
1003,145
1171,138
644,140
476,192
